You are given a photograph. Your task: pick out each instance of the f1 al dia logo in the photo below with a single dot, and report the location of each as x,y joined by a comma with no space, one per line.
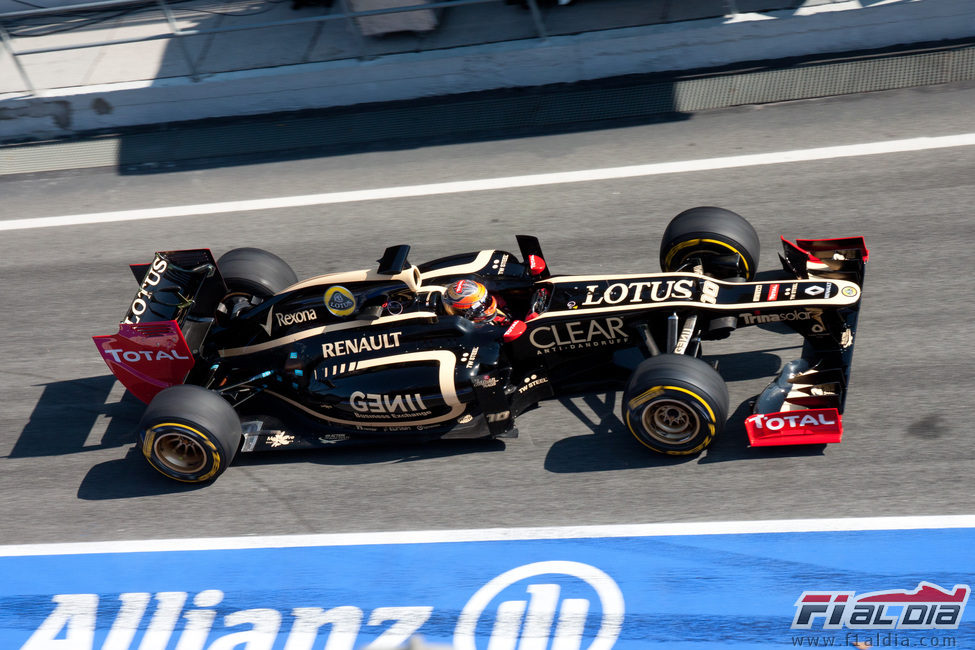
928,607
569,605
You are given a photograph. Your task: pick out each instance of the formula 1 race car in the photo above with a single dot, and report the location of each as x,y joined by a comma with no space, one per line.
236,355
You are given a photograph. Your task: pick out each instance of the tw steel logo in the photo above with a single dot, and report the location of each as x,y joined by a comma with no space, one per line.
140,303
928,607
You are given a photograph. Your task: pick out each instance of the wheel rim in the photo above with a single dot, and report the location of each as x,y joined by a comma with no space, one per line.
179,452
238,301
670,421
703,254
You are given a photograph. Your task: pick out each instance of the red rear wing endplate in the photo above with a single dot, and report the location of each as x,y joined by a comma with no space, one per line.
147,357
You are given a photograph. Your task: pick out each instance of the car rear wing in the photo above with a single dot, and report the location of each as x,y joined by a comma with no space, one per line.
176,285
804,404
166,321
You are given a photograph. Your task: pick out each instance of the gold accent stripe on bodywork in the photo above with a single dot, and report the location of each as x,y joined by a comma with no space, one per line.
838,300
410,277
446,360
482,259
327,329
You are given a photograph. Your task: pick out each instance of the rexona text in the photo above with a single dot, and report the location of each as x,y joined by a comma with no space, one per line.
302,316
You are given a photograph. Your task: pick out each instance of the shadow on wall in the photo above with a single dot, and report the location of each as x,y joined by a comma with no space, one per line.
475,116
487,115
471,117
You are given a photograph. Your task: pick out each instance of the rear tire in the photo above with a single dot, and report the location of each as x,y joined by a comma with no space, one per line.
189,434
675,404
710,233
255,272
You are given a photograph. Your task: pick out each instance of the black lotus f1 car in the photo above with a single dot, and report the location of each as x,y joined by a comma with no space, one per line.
237,355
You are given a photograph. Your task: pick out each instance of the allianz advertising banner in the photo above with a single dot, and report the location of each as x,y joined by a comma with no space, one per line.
539,589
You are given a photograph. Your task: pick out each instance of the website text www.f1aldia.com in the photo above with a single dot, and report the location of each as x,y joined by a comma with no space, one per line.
873,640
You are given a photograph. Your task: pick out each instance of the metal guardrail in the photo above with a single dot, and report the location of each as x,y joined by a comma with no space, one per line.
343,12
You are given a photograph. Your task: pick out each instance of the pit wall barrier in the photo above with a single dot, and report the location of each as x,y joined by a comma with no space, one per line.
657,48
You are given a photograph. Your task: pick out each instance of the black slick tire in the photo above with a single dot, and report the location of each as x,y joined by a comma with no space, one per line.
675,404
255,271
189,434
710,233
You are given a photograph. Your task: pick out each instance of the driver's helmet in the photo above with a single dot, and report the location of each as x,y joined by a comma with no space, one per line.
470,299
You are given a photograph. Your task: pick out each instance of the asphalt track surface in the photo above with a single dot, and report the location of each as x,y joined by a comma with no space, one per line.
69,471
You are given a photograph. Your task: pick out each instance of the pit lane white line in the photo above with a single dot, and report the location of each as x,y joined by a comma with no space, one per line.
925,522
508,182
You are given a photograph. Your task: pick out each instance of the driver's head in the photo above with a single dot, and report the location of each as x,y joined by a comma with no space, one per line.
470,299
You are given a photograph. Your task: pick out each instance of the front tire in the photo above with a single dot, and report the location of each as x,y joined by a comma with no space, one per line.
714,235
189,434
675,404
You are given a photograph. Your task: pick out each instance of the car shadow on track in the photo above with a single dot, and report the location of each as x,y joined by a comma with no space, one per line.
126,478
131,476
80,415
732,444
67,414
611,447
368,453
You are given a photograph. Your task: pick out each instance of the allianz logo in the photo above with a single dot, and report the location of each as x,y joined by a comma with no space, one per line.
554,604
535,614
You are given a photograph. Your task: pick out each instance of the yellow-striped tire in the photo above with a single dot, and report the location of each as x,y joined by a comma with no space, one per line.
724,241
189,434
674,404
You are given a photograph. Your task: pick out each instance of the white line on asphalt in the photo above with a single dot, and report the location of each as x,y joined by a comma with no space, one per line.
498,534
508,182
